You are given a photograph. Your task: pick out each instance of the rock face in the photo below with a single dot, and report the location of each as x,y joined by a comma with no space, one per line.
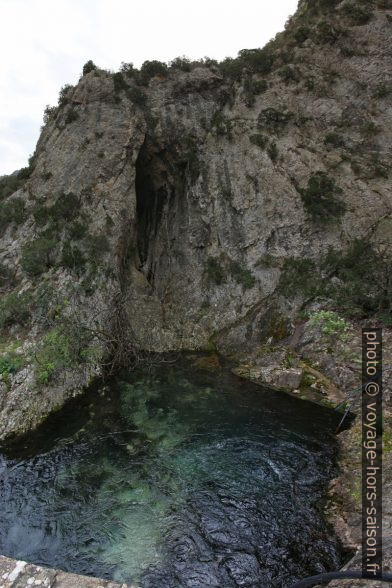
170,213
20,574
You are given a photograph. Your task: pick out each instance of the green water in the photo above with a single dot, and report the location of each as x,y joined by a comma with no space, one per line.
175,477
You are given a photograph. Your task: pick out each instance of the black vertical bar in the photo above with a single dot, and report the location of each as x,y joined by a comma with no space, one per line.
372,453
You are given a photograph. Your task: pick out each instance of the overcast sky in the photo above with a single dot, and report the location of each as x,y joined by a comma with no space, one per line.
44,44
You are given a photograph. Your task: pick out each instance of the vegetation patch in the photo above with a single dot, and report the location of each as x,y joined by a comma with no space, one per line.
356,13
242,275
357,283
330,323
221,125
334,139
13,182
290,74
215,271
151,69
12,212
64,94
250,60
136,95
88,67
72,258
259,140
274,120
321,199
15,308
383,90
299,278
39,255
10,363
58,350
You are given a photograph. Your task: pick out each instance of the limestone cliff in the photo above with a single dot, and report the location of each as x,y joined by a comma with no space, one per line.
197,206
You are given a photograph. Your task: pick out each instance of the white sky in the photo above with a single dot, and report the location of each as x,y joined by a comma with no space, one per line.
44,44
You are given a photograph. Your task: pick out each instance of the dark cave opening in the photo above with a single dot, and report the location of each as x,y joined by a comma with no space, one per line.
160,205
151,195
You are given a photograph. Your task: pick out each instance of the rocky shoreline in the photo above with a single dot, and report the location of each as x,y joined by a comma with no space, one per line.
333,362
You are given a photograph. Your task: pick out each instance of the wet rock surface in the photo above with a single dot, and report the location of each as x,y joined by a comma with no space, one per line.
20,574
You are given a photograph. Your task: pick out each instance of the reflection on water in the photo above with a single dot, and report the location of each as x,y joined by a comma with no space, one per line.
175,478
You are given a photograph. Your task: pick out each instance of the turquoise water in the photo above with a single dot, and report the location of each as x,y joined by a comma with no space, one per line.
174,477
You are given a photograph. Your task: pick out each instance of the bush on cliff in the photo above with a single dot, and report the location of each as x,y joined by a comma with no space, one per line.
320,199
151,69
11,211
88,67
58,350
38,255
15,308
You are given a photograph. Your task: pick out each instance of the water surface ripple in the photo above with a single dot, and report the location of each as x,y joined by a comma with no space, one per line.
176,478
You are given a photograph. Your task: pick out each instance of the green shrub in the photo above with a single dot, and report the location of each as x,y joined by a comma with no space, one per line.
66,207
365,287
15,308
58,350
128,69
369,129
259,140
253,60
41,214
299,277
273,119
97,247
119,82
215,271
181,63
289,74
301,34
9,184
362,285
88,67
7,277
320,198
242,275
383,90
221,124
136,95
10,363
153,68
49,112
334,139
327,33
330,322
256,60
72,258
358,15
231,68
12,211
64,94
71,116
77,230
38,255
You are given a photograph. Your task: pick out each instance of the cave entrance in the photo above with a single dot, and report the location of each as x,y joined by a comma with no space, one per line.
159,184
